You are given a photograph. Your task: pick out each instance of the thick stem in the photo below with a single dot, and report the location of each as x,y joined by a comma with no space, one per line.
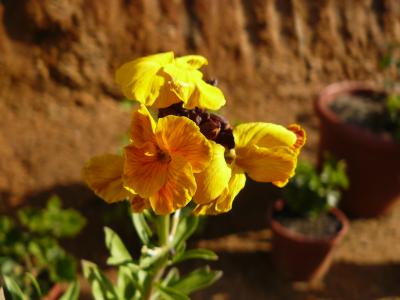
165,237
163,230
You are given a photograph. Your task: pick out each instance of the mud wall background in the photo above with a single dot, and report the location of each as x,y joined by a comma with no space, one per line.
59,105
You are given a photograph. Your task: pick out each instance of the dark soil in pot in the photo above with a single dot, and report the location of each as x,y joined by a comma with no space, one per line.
322,226
365,109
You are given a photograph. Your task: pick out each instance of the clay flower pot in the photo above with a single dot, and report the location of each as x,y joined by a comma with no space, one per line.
373,160
301,258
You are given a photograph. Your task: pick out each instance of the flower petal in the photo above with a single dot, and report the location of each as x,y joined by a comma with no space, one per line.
263,135
142,127
166,97
103,174
183,79
300,134
181,136
140,79
194,61
205,96
274,165
178,189
224,202
144,172
214,179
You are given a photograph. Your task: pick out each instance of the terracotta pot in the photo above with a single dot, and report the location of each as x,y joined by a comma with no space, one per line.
299,257
373,161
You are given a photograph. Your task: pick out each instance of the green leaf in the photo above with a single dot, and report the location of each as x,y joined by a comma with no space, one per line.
63,266
196,254
72,292
102,288
35,284
118,252
197,280
168,293
142,228
186,228
127,283
152,260
171,277
13,288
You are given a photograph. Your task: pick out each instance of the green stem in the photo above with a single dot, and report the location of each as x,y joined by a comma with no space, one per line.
166,235
163,230
174,226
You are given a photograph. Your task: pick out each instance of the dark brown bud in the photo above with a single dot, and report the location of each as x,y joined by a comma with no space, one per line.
226,139
212,126
210,129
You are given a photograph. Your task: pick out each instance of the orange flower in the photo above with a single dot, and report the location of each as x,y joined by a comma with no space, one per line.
158,165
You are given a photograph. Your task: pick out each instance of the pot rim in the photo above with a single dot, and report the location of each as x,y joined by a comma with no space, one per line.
329,93
278,228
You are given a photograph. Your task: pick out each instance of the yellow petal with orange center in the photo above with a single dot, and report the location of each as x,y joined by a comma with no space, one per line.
145,169
141,79
103,174
142,127
274,165
178,189
224,202
214,179
181,136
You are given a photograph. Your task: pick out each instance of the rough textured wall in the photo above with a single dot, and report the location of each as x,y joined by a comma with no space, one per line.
57,58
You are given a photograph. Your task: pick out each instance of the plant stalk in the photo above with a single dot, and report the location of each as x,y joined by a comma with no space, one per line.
166,233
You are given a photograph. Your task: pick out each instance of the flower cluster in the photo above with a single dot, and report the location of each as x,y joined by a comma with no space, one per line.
187,154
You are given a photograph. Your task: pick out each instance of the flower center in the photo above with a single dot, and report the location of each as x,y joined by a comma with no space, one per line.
162,156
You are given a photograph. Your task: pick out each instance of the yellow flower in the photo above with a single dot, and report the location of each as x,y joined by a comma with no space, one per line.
158,166
160,80
266,152
189,86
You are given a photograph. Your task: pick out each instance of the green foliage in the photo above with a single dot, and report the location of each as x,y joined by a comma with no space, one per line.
153,275
53,220
391,62
31,257
311,193
393,110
